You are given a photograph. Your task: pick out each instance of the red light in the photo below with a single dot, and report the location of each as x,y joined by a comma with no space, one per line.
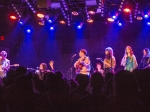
40,15
13,17
127,10
2,37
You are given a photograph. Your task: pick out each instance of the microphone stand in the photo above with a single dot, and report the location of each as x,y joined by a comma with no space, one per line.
70,71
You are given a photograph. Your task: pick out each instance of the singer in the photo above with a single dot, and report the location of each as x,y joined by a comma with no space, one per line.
41,71
145,61
129,60
82,65
109,61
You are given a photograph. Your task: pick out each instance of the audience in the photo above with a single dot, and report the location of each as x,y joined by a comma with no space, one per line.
21,91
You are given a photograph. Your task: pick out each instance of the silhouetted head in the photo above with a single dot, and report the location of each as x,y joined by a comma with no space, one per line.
97,81
125,84
82,80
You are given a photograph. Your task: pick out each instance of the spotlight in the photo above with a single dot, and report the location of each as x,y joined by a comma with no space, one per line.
40,15
41,22
127,10
148,23
110,20
75,13
79,26
21,22
51,28
62,22
90,20
28,31
146,16
50,21
119,24
139,18
114,17
13,17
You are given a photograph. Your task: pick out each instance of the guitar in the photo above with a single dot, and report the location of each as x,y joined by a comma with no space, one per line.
79,65
3,70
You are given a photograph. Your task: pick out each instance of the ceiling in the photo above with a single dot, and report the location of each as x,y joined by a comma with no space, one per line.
6,5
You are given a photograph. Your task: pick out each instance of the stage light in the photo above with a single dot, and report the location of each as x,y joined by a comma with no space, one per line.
51,28
21,22
79,26
50,21
91,12
119,24
13,17
40,15
139,18
127,10
148,23
110,20
62,22
90,20
146,16
75,13
41,22
28,31
114,17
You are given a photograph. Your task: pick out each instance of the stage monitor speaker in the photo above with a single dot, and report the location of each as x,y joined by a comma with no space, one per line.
43,3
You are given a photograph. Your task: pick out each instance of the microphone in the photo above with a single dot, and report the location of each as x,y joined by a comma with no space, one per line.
74,55
99,58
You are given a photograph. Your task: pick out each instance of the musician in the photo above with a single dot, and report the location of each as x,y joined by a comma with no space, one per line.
129,60
51,64
99,68
109,61
145,61
82,65
4,64
42,70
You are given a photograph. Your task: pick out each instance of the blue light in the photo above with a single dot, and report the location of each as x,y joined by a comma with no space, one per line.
50,21
28,31
148,23
114,17
21,22
146,16
79,26
119,24
51,28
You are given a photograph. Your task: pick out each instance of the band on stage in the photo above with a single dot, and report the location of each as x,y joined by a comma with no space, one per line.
84,66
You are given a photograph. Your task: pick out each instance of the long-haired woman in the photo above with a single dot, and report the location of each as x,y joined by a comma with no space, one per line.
129,60
145,61
109,61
